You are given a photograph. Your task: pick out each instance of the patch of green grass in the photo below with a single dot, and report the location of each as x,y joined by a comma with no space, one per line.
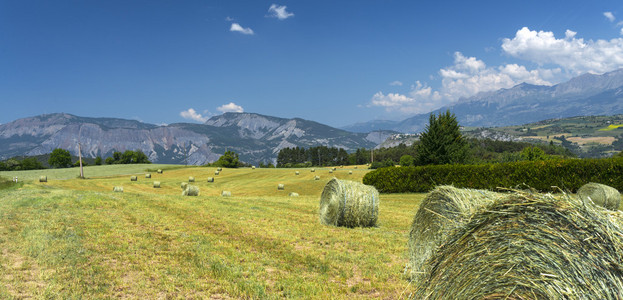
76,238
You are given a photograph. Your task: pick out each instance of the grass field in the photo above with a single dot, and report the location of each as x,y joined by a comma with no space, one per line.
75,238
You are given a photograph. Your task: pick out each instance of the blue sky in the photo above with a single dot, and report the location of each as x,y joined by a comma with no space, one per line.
335,62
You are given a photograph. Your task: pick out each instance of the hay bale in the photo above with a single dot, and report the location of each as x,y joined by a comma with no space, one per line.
313,170
333,168
355,167
156,184
331,171
191,190
147,175
280,186
216,172
43,178
530,246
226,193
296,173
253,167
350,172
133,178
191,179
219,169
349,204
316,177
184,185
159,171
210,179
444,209
601,194
293,194
117,189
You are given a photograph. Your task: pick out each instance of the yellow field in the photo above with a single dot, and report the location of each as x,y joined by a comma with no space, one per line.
75,238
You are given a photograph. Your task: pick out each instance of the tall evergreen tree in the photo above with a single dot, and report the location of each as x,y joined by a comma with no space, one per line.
442,141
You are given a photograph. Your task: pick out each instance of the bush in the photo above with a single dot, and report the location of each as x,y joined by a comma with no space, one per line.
541,175
60,158
406,160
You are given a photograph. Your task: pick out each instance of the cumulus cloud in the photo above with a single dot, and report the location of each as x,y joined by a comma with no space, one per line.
230,107
570,53
279,12
191,114
396,83
609,16
237,28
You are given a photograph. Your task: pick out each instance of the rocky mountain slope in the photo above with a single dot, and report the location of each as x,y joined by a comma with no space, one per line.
255,137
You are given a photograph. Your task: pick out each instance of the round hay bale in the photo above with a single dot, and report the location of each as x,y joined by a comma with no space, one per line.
530,246
280,186
355,167
191,179
191,190
216,172
331,171
253,167
117,189
43,178
219,169
293,194
444,209
226,193
184,185
159,171
147,175
350,172
133,178
349,204
157,184
313,170
601,194
334,168
296,173
316,177
210,179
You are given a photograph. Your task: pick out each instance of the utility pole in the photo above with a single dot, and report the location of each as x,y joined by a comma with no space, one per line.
80,157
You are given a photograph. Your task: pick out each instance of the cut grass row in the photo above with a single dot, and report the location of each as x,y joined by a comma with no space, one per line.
76,238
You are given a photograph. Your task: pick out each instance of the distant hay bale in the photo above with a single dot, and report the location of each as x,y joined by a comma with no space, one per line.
157,184
296,173
253,167
133,178
293,194
350,172
184,185
159,171
226,193
530,246
280,186
349,204
191,190
117,189
210,179
444,209
147,175
333,168
43,178
355,167
312,170
316,177
331,171
219,169
191,179
602,195
216,172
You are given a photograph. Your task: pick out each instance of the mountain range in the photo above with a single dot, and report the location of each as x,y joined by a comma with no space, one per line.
256,138
585,95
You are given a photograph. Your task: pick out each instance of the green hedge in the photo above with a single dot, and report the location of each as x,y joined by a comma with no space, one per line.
541,175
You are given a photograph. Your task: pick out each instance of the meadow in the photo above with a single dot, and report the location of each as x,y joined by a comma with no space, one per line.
74,238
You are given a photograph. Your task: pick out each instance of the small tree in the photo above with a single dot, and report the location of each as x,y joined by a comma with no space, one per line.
60,158
533,153
98,160
442,141
228,160
406,160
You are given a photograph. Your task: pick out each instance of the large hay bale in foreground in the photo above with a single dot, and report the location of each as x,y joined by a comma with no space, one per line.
280,187
191,179
210,179
117,189
156,184
530,246
601,194
191,190
133,178
184,185
43,178
147,175
349,204
444,209
226,193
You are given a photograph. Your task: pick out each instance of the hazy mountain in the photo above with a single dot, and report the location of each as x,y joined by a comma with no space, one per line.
584,95
370,126
255,137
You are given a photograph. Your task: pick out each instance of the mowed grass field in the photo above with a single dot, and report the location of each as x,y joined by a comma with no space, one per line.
75,238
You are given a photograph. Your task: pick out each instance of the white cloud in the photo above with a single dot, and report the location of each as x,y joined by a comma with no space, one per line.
279,12
575,55
609,16
191,114
229,19
396,83
237,28
230,107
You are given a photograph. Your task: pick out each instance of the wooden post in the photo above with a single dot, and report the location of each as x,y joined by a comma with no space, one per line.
80,157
